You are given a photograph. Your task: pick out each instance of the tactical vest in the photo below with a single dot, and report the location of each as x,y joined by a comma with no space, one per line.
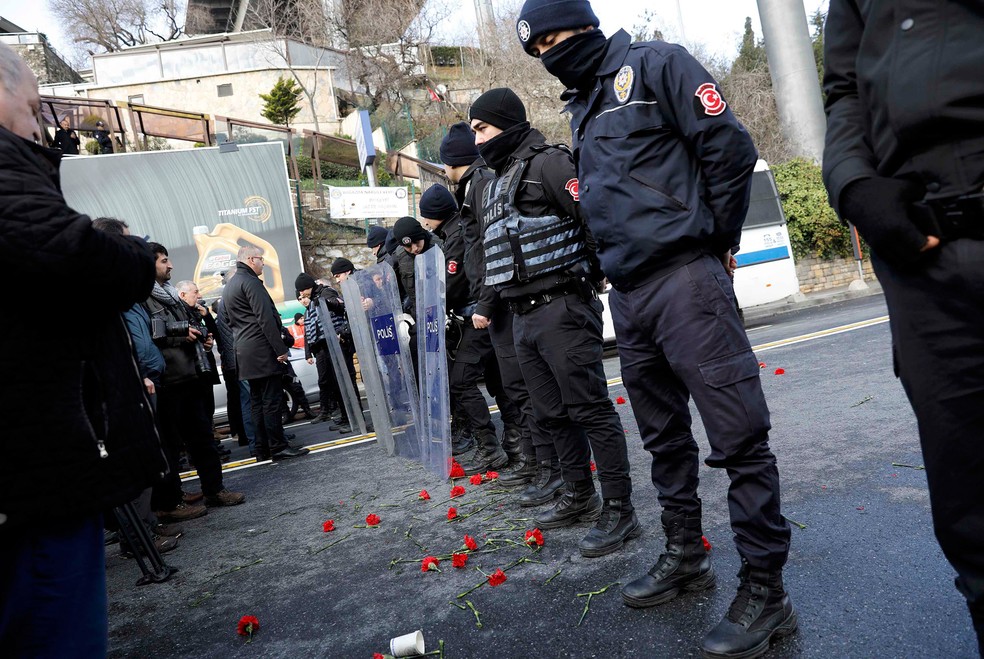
520,246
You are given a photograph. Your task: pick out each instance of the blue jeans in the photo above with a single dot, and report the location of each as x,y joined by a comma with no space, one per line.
53,591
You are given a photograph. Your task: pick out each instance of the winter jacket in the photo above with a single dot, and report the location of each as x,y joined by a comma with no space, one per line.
255,324
150,360
179,353
405,274
78,432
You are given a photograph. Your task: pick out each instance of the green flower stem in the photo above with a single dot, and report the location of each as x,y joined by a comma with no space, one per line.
331,544
902,464
478,619
555,574
205,595
792,521
587,604
235,569
493,515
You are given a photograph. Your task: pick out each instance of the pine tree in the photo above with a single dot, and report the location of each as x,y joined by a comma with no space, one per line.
283,103
751,55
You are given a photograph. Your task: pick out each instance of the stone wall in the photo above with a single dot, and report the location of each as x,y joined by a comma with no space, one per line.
46,64
820,274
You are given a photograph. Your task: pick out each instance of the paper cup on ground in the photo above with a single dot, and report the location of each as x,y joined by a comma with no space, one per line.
407,645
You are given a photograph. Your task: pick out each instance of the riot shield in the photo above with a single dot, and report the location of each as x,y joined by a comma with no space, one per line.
350,395
372,301
434,429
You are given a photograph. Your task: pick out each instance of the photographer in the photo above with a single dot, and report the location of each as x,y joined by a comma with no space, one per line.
182,414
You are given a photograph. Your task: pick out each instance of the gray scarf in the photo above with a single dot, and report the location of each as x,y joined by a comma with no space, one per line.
166,294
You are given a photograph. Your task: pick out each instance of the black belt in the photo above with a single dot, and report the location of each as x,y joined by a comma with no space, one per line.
951,219
527,303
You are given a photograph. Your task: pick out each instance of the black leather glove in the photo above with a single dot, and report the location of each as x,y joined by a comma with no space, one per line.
879,208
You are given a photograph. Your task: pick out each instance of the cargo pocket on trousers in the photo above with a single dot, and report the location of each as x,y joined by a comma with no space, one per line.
586,382
728,370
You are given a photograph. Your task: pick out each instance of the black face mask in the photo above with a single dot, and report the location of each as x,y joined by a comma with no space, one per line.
575,60
496,151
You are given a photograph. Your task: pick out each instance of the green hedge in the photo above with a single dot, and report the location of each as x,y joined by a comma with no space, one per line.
814,229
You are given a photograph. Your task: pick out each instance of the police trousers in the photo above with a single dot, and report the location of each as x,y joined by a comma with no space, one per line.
937,320
466,371
559,347
679,336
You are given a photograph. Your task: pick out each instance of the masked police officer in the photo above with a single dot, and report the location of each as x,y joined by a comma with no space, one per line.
540,259
665,172
907,167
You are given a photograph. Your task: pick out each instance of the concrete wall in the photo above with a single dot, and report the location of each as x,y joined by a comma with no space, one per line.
821,274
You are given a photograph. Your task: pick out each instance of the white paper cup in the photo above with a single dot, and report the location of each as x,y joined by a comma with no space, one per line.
407,645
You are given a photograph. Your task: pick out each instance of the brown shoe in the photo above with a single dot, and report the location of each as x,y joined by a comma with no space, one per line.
170,530
163,543
192,497
225,498
181,513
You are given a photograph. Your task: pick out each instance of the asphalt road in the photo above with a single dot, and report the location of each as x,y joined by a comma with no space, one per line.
865,574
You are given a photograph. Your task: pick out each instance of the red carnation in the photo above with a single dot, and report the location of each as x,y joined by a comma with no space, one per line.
497,577
620,400
594,467
470,543
707,543
491,475
761,364
459,559
247,625
457,491
534,537
423,495
372,520
429,563
329,525
780,371
474,480
457,471
452,512
376,655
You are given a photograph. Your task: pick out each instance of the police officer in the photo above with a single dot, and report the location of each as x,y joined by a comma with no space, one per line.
665,172
906,167
539,258
439,213
375,240
465,168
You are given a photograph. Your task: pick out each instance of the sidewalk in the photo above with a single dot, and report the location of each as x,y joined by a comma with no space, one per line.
806,300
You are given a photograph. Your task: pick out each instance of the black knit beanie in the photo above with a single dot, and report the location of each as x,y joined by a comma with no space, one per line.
437,203
340,265
376,236
303,282
458,146
538,17
499,107
407,231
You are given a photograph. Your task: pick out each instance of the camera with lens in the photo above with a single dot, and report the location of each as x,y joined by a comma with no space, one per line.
160,328
201,360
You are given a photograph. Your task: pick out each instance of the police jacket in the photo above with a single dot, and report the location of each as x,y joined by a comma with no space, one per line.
665,169
94,445
255,324
179,353
468,194
458,291
549,186
905,95
403,264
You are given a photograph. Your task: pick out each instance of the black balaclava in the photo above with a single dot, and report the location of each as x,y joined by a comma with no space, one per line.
575,60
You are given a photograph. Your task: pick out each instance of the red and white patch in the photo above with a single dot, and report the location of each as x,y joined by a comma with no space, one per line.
452,267
711,99
571,187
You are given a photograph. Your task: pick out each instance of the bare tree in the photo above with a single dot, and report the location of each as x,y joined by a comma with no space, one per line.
111,25
752,100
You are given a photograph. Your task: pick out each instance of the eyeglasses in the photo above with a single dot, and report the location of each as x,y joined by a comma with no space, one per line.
256,257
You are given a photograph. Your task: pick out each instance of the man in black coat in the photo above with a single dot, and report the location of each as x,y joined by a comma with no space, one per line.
260,352
95,445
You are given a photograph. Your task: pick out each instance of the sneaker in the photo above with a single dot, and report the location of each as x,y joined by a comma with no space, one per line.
225,498
182,513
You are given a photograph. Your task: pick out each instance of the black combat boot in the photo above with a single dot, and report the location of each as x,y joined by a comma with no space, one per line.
488,454
618,523
544,487
578,503
522,473
685,565
511,443
761,610
461,438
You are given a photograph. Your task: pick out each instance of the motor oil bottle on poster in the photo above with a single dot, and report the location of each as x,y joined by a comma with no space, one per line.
217,252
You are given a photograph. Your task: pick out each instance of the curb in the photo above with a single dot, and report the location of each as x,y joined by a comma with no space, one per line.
818,299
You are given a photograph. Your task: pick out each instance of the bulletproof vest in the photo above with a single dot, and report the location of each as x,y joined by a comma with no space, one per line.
520,246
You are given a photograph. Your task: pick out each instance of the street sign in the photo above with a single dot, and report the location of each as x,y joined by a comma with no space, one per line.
360,203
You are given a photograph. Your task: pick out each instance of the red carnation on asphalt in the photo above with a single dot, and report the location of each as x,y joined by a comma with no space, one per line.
329,525
376,655
707,543
474,480
470,543
497,577
620,400
452,512
761,364
534,537
780,371
429,563
594,467
457,491
459,559
247,625
457,471
372,520
491,475
423,495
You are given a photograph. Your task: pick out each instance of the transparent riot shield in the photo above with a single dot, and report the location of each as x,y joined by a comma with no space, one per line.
434,430
372,301
350,395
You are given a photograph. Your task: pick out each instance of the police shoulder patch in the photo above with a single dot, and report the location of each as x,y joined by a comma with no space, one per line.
623,83
571,187
452,267
711,103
